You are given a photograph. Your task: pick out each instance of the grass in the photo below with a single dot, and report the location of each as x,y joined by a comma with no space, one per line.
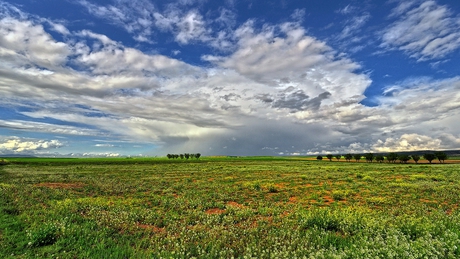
227,207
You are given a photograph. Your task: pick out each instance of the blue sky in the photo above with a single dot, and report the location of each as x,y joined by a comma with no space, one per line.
234,77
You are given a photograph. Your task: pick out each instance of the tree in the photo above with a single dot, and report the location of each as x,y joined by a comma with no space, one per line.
380,158
187,155
392,157
441,156
416,158
319,158
197,155
357,157
403,158
348,157
338,157
181,156
430,157
329,156
169,156
369,157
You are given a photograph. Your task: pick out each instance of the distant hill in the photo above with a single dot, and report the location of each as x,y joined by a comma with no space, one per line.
418,152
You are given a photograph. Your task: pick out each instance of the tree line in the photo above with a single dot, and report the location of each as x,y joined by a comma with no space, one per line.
390,157
182,156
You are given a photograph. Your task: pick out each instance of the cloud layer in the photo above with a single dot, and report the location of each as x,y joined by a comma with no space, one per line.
277,90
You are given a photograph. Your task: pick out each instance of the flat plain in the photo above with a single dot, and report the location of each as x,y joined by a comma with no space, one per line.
259,207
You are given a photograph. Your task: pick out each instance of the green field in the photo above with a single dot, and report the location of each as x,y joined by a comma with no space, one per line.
227,207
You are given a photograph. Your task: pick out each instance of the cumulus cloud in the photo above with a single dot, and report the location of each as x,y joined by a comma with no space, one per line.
284,58
424,30
27,145
23,42
407,142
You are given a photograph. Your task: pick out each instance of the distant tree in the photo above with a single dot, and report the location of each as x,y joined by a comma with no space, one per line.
319,158
181,156
441,156
187,155
329,156
369,157
430,157
348,157
379,158
169,156
338,157
357,157
197,155
392,157
416,158
176,156
403,158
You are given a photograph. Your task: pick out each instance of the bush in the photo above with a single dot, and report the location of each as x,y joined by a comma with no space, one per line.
46,235
4,162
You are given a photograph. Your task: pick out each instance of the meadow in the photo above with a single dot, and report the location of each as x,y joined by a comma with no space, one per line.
227,208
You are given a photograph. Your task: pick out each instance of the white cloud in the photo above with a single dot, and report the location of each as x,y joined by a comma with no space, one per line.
191,27
47,128
30,42
278,85
59,28
135,16
424,31
104,145
26,145
96,154
287,63
353,26
407,142
347,9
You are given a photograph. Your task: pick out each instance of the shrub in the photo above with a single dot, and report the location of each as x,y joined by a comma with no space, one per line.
340,195
4,162
43,236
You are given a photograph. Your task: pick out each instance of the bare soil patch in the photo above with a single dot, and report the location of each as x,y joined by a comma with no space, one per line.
151,227
235,204
61,185
214,211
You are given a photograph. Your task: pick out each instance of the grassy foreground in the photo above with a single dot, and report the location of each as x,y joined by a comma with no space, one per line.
223,208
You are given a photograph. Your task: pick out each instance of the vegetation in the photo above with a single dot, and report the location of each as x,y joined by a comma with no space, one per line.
430,157
221,207
348,157
404,158
182,156
441,156
379,158
392,157
416,158
357,157
369,157
3,162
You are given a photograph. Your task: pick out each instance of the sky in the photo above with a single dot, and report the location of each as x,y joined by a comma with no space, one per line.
81,78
